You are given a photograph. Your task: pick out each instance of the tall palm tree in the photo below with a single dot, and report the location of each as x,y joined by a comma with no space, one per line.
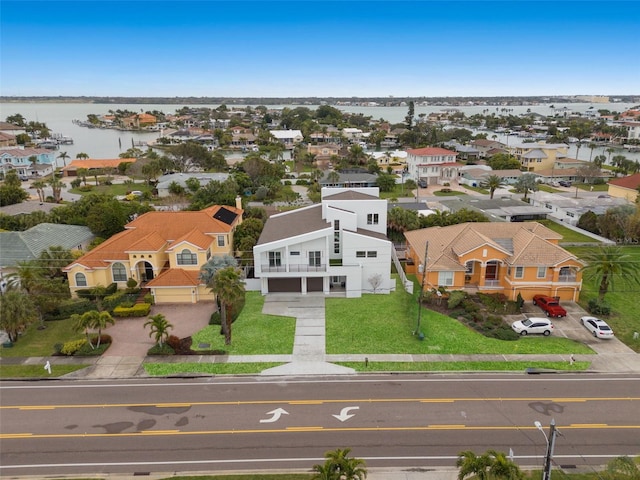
610,150
471,464
592,146
56,186
609,265
40,185
64,156
82,156
492,183
159,327
227,284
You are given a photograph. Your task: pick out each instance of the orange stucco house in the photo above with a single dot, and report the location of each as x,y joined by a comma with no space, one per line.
162,251
507,258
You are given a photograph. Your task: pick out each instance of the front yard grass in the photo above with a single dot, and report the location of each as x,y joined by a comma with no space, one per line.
40,343
37,371
253,333
384,324
167,369
462,366
623,299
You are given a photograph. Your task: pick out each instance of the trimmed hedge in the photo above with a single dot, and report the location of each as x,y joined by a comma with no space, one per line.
138,310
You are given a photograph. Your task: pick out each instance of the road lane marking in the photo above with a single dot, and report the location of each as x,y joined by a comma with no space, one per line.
333,401
312,428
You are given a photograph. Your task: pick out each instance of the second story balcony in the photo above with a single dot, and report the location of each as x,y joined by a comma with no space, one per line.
294,268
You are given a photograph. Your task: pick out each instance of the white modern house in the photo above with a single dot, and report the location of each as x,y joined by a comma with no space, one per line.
290,138
339,245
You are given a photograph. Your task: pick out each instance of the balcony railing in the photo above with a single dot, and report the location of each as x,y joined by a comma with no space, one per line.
572,277
295,268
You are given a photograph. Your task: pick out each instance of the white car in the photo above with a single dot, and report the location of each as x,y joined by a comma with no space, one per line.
533,325
597,327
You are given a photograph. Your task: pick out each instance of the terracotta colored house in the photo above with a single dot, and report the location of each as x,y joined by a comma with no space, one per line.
139,120
71,170
507,258
163,251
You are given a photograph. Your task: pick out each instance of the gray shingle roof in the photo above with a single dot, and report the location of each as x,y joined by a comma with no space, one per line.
291,224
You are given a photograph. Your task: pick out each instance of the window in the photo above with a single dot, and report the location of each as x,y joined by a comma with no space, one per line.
274,259
221,240
119,272
542,272
81,280
445,279
314,259
336,224
371,254
372,219
468,267
361,254
519,272
187,258
294,253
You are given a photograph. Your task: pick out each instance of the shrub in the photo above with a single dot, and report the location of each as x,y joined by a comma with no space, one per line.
76,182
131,283
302,182
215,319
598,308
455,298
148,298
87,351
505,332
163,349
71,347
287,182
138,310
111,289
86,188
181,346
57,348
69,307
112,301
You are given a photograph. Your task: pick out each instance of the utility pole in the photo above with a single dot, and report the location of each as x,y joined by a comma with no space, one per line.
424,276
551,441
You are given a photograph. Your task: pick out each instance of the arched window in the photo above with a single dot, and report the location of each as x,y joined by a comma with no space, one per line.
119,272
81,280
187,258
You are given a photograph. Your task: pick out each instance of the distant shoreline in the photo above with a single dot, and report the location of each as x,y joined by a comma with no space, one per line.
302,101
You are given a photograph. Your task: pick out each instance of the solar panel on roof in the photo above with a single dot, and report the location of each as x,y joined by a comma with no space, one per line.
225,216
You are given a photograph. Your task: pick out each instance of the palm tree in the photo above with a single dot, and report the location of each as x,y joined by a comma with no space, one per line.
471,464
608,264
599,160
158,327
56,186
228,286
592,146
82,156
324,471
64,156
623,468
492,183
340,466
82,173
102,320
610,150
503,468
92,320
16,313
40,185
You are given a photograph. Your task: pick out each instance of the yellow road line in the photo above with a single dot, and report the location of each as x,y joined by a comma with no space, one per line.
10,436
327,401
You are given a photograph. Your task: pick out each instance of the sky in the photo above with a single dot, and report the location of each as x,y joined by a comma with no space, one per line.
308,48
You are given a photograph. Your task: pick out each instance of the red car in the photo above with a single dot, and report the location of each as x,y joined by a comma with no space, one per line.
550,306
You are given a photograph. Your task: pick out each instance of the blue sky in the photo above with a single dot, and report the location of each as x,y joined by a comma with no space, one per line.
307,48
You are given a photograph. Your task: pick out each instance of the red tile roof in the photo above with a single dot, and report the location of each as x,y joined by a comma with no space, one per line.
176,277
97,163
631,181
431,151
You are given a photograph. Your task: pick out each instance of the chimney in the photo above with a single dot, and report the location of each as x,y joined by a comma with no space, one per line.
239,202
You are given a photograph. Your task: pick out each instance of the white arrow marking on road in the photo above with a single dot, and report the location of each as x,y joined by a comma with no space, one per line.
277,413
344,413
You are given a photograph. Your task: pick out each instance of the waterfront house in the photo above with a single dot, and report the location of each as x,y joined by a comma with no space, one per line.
162,251
139,120
11,129
434,165
95,166
7,140
289,138
165,181
507,258
339,245
570,209
534,157
348,179
22,160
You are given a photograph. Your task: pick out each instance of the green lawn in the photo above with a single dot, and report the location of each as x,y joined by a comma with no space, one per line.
625,317
253,333
37,371
116,189
39,343
165,369
596,188
399,191
452,193
568,235
461,366
385,324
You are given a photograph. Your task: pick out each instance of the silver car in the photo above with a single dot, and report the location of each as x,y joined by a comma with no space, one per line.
533,325
597,327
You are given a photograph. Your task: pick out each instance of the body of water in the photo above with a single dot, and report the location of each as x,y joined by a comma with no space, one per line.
108,143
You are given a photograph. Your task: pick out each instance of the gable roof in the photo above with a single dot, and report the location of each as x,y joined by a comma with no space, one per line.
176,277
293,223
524,243
98,163
153,230
430,151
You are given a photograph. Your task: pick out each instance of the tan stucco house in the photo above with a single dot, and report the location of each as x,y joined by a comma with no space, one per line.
507,258
162,251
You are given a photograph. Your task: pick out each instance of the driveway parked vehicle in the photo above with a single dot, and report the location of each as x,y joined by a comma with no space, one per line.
533,325
564,183
550,306
597,327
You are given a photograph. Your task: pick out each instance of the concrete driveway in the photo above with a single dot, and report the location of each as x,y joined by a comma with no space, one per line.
571,327
131,339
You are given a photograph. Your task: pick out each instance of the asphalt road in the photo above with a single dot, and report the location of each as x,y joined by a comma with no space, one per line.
422,421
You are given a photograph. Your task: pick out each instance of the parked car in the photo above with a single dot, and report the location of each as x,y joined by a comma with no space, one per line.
533,325
564,183
550,306
597,327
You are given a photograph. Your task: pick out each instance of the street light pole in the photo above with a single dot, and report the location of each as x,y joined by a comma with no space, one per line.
551,441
